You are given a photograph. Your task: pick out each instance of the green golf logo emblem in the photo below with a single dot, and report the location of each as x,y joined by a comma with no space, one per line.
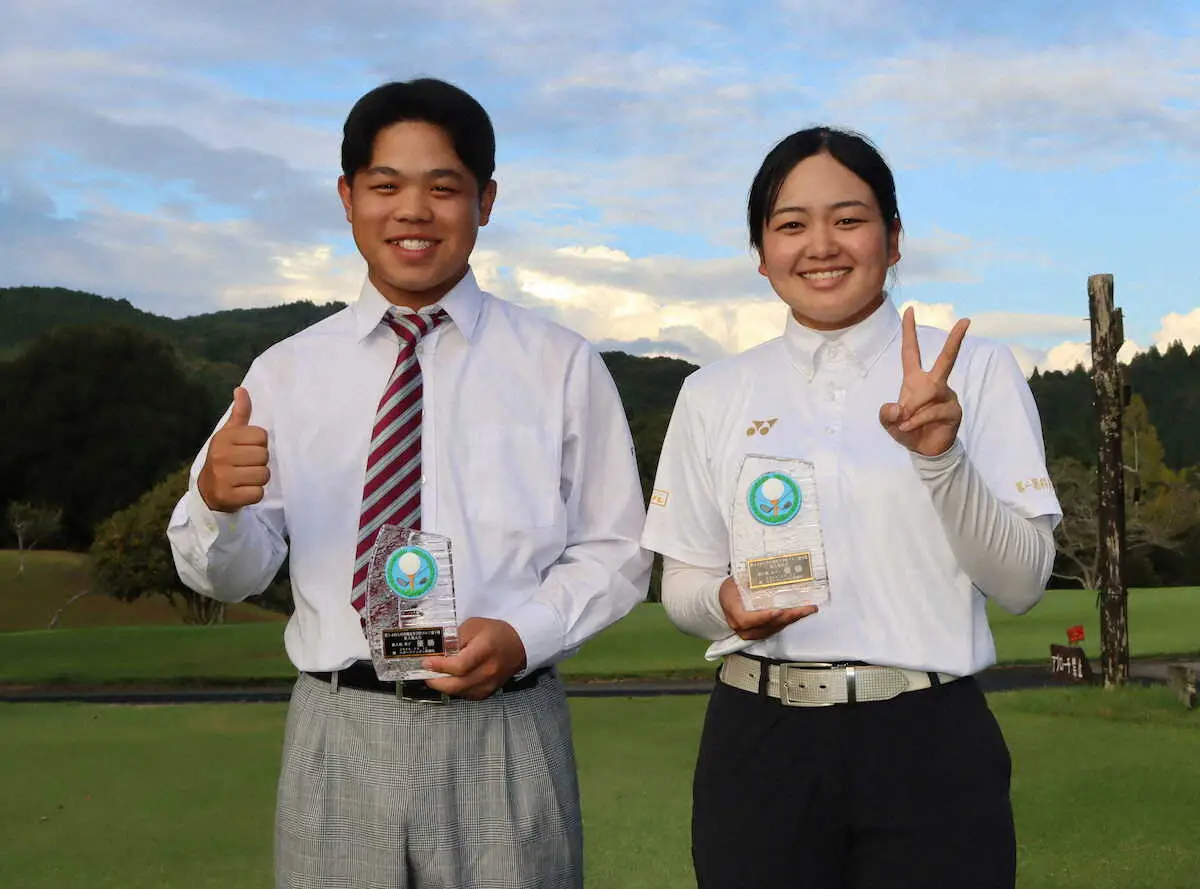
411,572
774,498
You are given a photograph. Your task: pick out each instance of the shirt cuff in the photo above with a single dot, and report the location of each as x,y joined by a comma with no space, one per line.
538,627
210,525
933,467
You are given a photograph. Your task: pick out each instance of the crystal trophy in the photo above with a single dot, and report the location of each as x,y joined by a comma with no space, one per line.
410,602
776,551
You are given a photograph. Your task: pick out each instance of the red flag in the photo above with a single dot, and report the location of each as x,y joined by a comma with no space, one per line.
1075,634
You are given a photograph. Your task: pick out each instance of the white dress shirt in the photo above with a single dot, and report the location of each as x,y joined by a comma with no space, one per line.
527,461
899,595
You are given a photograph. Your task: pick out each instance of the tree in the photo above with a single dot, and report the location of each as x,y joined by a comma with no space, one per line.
93,417
1076,539
1143,452
1162,504
32,524
131,557
1167,511
1168,380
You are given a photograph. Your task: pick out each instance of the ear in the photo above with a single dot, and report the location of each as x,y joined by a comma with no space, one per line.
344,192
762,259
486,200
893,243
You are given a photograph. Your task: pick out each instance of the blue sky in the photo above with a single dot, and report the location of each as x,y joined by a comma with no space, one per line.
183,155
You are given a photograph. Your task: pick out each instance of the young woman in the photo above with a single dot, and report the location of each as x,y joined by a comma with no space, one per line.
848,745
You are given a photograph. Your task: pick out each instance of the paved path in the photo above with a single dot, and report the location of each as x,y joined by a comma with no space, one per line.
996,679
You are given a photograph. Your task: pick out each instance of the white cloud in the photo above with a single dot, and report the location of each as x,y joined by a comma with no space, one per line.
313,273
1066,357
1012,328
176,266
1069,355
1096,102
191,167
1027,359
940,315
713,307
1174,327
1181,328
998,325
685,343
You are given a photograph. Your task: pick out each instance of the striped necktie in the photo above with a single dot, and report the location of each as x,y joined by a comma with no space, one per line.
392,491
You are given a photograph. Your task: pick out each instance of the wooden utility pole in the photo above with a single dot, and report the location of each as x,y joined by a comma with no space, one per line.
1107,337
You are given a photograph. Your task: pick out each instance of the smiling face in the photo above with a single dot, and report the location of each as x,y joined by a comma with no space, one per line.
825,247
415,211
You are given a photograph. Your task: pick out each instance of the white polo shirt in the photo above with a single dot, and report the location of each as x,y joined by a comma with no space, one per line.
897,594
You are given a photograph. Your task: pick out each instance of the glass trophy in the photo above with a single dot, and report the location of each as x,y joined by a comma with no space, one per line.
410,602
776,552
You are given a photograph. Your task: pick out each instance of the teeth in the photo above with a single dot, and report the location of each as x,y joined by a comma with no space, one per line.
821,276
413,244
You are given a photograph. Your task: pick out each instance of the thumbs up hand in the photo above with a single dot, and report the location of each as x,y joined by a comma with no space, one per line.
235,472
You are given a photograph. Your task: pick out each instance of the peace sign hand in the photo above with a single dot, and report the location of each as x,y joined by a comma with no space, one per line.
926,416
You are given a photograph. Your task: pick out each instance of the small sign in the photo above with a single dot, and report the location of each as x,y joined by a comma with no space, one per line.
1069,663
772,571
409,642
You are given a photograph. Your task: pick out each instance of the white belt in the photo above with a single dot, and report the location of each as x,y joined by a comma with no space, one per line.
822,685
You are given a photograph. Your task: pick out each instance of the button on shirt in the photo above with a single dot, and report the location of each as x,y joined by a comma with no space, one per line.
528,468
898,596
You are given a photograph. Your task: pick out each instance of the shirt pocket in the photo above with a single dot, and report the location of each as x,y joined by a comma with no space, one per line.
513,476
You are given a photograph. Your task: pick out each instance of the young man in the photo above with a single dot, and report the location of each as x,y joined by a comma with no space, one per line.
431,404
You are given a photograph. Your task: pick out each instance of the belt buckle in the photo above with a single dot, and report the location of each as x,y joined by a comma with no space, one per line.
435,698
785,686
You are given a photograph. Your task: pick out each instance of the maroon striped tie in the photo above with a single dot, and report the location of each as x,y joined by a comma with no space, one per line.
392,491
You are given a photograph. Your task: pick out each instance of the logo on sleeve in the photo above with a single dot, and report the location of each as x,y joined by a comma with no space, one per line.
1035,484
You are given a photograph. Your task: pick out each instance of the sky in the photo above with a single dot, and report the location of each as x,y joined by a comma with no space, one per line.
184,155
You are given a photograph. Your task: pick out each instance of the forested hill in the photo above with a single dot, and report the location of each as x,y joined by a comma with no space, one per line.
1169,382
28,312
233,336
217,347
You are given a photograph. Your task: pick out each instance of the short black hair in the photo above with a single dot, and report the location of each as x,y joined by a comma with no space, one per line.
852,150
428,100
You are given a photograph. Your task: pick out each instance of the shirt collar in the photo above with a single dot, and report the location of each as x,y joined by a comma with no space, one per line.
463,304
864,342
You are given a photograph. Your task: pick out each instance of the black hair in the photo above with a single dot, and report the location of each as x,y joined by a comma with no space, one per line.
850,149
430,101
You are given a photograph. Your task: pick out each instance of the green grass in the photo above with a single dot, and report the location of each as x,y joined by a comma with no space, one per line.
1163,621
1104,790
145,655
644,643
30,599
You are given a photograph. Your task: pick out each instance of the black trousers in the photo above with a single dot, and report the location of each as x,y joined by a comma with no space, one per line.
911,793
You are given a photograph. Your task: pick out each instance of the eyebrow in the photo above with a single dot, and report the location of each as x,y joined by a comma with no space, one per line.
840,205
440,173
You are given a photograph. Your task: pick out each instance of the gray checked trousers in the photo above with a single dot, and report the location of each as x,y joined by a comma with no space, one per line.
381,793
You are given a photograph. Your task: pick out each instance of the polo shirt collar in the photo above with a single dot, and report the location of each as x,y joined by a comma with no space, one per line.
863,343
